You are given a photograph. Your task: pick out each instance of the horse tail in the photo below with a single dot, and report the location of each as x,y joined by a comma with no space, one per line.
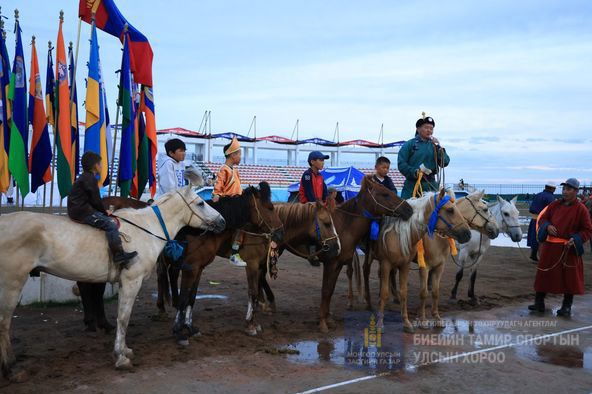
162,272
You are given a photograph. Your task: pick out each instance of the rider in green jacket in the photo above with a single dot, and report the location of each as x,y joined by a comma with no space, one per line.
421,154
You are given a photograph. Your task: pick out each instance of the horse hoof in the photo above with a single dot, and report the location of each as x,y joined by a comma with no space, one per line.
183,342
129,353
474,301
423,324
123,363
251,331
259,328
408,329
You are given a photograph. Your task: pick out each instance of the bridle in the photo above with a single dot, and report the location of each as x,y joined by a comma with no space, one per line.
392,211
477,213
272,230
210,224
435,217
324,242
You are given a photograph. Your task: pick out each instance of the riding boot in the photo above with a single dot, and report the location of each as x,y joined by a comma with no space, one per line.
539,302
120,256
565,309
533,254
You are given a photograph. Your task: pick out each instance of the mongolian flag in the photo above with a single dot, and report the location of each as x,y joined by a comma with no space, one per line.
50,84
19,127
63,132
74,115
147,107
109,19
127,151
95,137
40,158
141,175
5,129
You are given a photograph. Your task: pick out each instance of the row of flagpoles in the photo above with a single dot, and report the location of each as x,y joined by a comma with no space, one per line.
29,163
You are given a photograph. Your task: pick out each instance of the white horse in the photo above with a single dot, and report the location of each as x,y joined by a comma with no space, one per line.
470,254
61,247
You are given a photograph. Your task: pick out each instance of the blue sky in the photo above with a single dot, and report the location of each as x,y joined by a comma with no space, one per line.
507,82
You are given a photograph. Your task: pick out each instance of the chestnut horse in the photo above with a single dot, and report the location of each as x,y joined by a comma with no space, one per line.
352,220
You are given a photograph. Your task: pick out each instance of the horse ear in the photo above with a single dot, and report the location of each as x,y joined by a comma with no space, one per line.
479,194
441,194
194,176
264,191
514,200
500,199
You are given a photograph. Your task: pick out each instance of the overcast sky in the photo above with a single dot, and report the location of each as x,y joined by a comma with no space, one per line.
507,82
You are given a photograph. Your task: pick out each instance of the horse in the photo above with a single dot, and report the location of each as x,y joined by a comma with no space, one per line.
470,254
397,245
352,221
475,211
253,211
53,244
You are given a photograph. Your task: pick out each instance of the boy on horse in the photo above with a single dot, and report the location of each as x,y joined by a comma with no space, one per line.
421,156
228,184
170,166
85,206
382,168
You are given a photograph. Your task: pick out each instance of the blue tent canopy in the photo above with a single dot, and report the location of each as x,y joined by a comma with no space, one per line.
347,180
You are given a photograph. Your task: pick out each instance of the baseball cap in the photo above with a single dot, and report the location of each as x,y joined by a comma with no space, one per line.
572,182
316,155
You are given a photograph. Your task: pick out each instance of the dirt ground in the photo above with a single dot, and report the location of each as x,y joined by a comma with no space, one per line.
58,356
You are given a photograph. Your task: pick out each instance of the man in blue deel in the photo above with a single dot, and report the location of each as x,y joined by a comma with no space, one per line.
539,202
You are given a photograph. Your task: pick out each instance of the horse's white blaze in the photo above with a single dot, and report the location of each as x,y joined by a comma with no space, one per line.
188,315
335,235
249,310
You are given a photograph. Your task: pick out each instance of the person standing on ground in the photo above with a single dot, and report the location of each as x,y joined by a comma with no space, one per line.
539,202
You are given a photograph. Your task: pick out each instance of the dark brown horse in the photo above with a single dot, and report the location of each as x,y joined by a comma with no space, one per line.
253,212
352,220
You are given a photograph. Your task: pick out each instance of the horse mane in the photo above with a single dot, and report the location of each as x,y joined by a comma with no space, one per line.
405,229
236,210
294,213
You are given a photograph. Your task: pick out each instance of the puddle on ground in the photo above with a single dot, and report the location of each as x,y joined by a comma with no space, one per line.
564,356
203,296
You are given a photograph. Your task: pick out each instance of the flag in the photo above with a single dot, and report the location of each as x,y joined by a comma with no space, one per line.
127,156
141,173
109,19
50,84
63,133
74,115
95,137
147,107
5,129
19,126
40,157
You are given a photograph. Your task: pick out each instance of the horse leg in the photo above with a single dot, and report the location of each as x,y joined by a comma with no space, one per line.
269,306
458,278
430,274
99,307
253,280
385,269
403,276
393,286
437,275
350,284
423,295
127,295
174,282
87,294
367,266
358,276
188,309
331,272
472,298
10,290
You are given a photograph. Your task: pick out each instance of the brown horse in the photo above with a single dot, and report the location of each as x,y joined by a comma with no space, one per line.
352,220
397,245
251,211
303,224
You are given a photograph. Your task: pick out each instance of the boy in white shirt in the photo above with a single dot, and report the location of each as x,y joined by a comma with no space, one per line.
171,167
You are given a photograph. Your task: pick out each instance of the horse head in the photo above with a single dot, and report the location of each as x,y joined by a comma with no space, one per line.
447,219
476,212
262,213
322,229
380,201
507,214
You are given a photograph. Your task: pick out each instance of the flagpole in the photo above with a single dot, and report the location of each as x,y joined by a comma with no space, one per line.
112,166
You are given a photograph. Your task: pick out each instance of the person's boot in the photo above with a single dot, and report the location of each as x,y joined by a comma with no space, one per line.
236,260
565,310
533,255
313,259
539,302
122,257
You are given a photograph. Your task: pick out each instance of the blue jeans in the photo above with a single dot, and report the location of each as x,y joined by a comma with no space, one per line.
103,222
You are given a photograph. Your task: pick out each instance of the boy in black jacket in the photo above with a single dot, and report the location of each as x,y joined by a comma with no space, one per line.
382,167
85,206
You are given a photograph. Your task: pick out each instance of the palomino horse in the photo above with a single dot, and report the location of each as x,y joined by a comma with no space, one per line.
302,224
53,244
352,220
397,244
252,210
437,249
470,254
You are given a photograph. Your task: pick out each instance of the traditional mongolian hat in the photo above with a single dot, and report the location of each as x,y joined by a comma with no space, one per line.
423,120
234,147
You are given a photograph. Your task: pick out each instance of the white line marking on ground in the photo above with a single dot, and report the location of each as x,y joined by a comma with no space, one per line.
444,359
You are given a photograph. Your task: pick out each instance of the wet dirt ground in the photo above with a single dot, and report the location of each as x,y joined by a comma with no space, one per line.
291,355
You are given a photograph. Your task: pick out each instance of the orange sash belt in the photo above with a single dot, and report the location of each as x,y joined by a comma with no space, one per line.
556,240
